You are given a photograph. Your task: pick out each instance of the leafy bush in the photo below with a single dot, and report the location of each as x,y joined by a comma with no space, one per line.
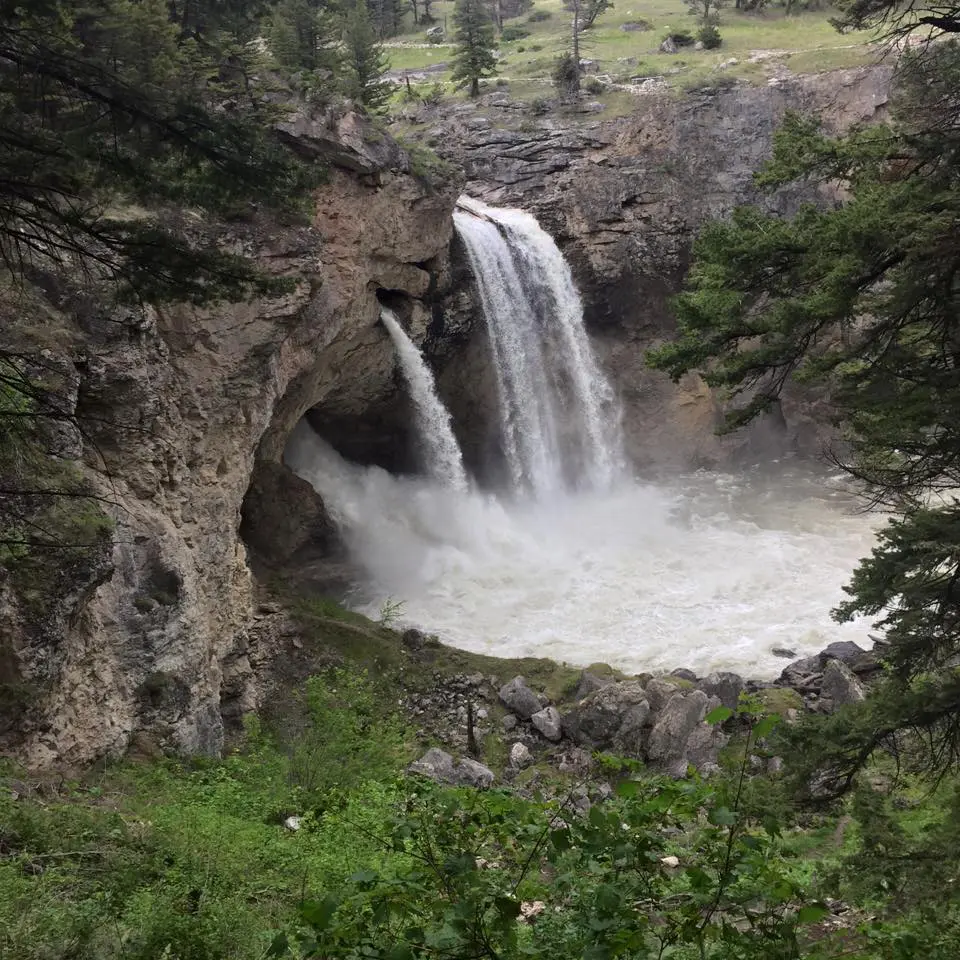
682,37
538,16
594,86
566,75
513,32
709,36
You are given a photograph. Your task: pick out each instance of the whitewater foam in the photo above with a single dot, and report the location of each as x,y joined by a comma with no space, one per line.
706,571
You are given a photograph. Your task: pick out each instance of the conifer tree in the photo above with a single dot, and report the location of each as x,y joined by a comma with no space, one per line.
475,54
365,61
863,299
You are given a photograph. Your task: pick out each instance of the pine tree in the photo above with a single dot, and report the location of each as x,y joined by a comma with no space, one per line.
365,61
475,54
863,298
303,36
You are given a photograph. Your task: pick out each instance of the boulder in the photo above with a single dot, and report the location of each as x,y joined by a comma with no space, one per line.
840,685
668,46
659,691
595,721
548,722
704,746
508,723
519,698
845,650
520,756
590,681
784,652
673,727
802,674
435,764
726,686
682,673
631,738
635,26
470,773
438,765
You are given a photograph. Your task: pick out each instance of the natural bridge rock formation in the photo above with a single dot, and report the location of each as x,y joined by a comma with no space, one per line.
186,411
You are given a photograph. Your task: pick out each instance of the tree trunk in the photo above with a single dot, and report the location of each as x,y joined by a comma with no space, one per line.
576,45
475,87
416,11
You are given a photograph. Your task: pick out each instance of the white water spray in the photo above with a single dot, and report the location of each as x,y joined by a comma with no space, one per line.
442,456
559,419
708,571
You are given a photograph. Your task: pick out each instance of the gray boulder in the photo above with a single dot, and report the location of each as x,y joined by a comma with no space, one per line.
802,674
682,673
435,764
591,681
659,691
674,725
704,746
548,722
725,686
668,46
438,765
519,698
520,756
469,773
631,738
840,685
594,722
844,650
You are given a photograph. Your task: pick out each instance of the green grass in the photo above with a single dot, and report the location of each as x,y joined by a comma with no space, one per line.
763,44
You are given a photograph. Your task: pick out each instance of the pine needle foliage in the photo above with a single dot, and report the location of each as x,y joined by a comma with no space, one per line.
862,298
475,54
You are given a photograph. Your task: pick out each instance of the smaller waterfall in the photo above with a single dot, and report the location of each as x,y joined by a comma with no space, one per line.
441,452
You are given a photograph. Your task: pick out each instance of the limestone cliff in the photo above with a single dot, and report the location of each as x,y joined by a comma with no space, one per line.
185,411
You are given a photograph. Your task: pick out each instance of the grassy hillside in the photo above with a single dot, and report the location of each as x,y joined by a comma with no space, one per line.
755,46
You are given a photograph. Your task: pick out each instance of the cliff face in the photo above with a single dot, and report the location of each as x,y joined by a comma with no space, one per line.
624,199
185,411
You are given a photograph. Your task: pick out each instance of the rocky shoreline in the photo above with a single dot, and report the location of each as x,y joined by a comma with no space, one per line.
659,720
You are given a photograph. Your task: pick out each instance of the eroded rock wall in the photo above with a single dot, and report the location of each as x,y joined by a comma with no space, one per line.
185,411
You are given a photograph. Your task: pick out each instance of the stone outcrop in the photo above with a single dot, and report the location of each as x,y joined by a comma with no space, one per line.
186,413
624,199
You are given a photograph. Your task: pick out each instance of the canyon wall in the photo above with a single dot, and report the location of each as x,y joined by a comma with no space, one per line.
624,199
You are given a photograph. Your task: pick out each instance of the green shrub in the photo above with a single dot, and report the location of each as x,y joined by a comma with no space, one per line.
566,75
538,16
594,86
513,32
682,37
709,36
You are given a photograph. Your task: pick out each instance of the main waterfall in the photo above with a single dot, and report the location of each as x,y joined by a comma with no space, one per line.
559,419
577,559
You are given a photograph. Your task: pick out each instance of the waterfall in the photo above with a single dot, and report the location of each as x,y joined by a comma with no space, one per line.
560,422
441,452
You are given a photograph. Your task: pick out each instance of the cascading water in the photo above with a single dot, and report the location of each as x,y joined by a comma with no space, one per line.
441,452
708,571
559,419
